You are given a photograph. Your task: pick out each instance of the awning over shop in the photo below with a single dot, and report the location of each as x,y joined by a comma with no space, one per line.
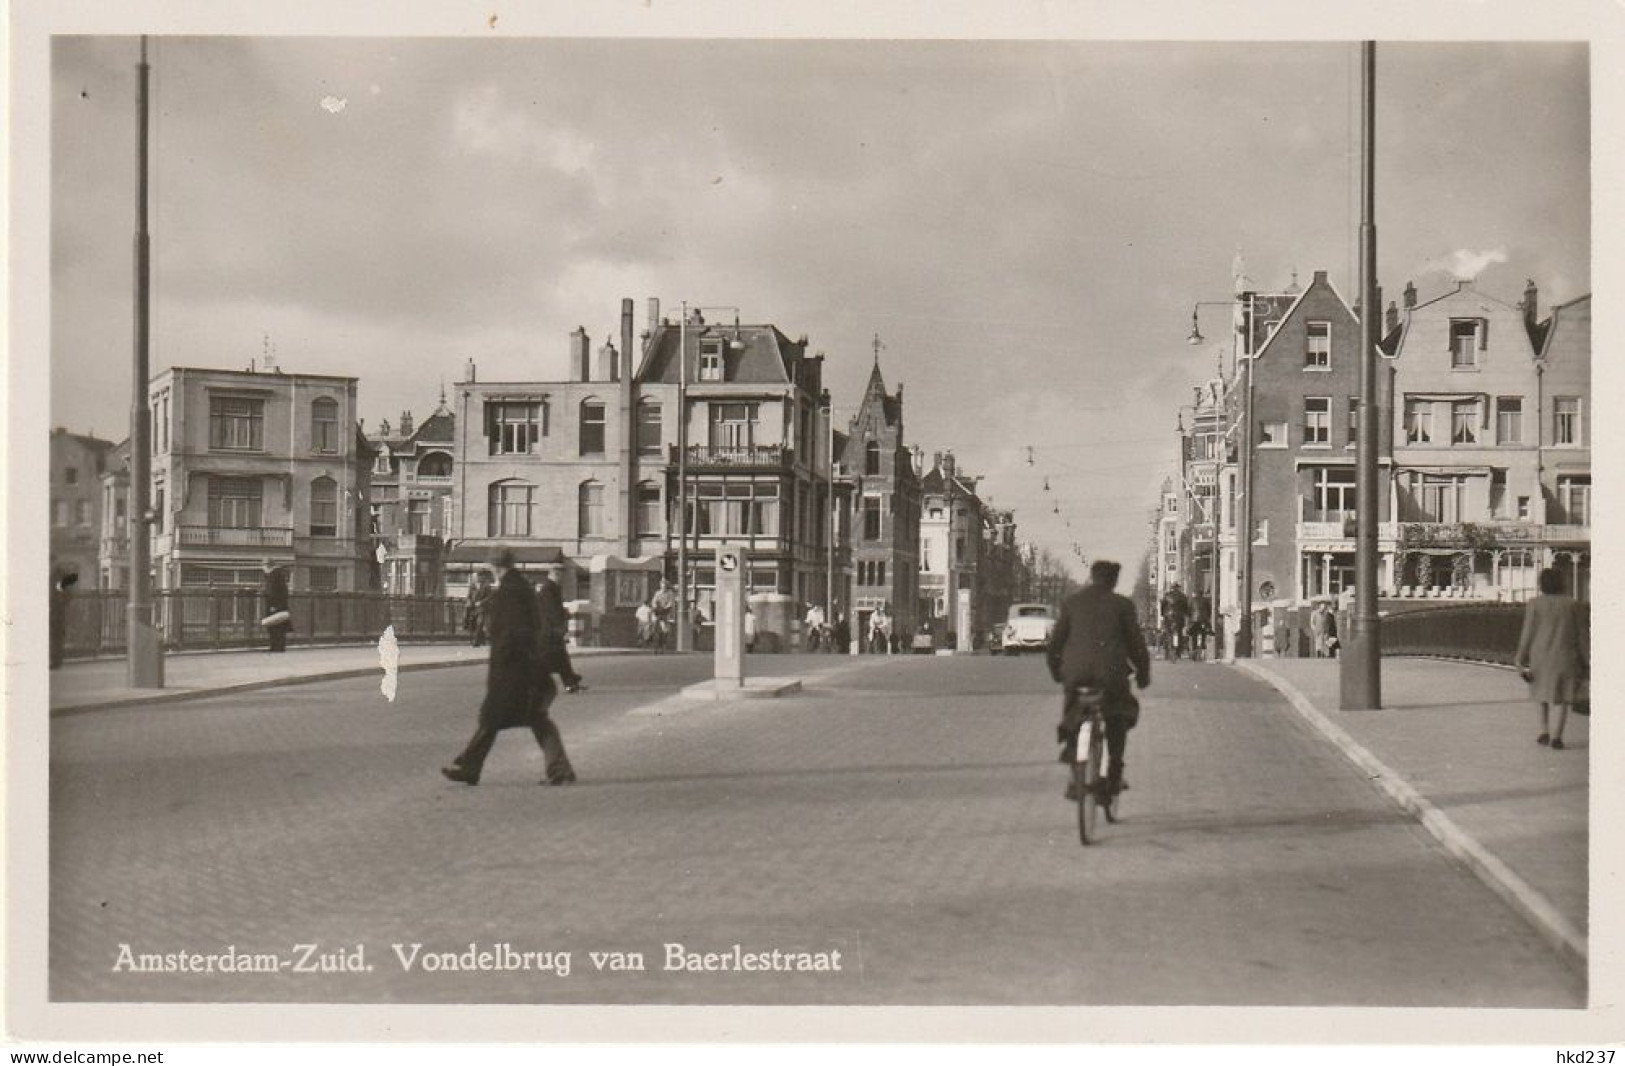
534,554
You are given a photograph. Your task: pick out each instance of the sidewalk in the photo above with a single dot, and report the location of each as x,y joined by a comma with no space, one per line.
1455,746
102,683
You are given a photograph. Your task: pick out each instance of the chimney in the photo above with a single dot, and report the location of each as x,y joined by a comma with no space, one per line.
654,313
948,463
470,374
936,460
609,363
406,423
1530,305
1410,295
1320,278
1393,317
580,356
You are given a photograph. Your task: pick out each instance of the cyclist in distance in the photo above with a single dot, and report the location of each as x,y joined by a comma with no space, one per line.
1097,644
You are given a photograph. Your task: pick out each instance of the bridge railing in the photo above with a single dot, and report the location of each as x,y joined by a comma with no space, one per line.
199,619
1483,632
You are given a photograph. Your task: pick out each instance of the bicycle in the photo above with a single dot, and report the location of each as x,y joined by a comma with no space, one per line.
660,634
1089,781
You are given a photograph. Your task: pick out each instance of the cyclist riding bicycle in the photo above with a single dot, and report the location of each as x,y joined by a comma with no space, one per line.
664,606
1176,616
1097,644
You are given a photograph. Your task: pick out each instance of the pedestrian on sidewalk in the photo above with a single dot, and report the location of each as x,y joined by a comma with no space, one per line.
554,629
1554,653
479,594
61,593
518,692
276,618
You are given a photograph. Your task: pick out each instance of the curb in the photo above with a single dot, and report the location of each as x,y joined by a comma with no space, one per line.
1517,893
183,695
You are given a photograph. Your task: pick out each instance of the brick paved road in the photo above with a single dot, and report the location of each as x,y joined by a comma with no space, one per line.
903,812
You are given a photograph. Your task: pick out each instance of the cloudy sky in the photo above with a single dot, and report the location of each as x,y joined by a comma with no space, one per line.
1024,224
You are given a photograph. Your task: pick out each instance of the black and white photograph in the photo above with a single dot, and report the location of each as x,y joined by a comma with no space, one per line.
746,523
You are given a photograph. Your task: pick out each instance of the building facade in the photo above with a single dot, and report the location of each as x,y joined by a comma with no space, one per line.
78,463
952,548
886,511
411,470
585,472
249,466
1491,447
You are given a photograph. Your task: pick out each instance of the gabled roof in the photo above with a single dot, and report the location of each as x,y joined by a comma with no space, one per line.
753,355
874,395
84,439
1287,304
1394,343
1549,329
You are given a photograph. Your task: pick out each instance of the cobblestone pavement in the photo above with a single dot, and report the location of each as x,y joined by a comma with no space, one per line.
903,812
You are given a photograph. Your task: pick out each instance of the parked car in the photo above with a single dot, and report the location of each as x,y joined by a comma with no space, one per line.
1029,628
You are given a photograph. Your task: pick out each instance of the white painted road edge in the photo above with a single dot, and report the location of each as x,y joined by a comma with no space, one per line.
1518,894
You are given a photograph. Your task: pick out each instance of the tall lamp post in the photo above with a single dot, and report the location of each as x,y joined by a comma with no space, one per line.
1244,519
685,638
1361,673
144,652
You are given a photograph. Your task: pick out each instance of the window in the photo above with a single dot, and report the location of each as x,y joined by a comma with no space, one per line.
509,510
81,512
118,514
324,508
733,425
163,425
1418,422
237,423
1317,353
871,458
648,509
234,502
514,427
1498,493
324,579
1317,420
1442,497
1509,420
590,500
649,429
1574,497
1464,422
880,578
1334,494
157,510
735,508
71,475
418,517
380,465
1566,420
1523,508
324,425
871,518
711,359
1466,338
435,464
1354,421
1272,435
592,427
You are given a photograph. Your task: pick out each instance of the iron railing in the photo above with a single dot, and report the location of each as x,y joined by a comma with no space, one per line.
198,619
1483,632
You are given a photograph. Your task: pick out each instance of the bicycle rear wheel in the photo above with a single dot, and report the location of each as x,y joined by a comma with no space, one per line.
1086,772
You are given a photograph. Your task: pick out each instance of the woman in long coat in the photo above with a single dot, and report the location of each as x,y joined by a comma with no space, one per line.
1553,653
518,692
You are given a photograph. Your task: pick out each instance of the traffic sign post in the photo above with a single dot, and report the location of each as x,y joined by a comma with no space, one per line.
730,617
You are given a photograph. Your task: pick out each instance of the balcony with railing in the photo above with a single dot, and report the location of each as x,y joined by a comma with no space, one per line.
737,457
234,536
1329,526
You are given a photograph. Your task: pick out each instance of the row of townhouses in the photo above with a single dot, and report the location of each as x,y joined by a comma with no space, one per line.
257,464
1484,450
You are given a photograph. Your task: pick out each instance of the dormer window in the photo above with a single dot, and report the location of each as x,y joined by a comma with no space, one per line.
711,358
1467,339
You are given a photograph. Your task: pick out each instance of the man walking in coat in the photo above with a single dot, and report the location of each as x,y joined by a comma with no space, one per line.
1097,643
275,592
518,692
554,628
